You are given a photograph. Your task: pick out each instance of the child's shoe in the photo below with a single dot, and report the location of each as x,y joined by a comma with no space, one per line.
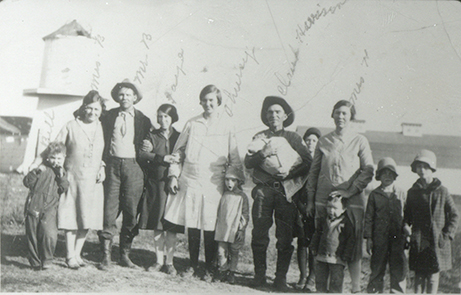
231,278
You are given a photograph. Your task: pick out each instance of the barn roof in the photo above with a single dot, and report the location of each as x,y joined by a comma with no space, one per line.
15,125
403,149
71,29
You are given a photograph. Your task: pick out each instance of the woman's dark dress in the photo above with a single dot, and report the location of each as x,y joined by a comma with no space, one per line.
153,203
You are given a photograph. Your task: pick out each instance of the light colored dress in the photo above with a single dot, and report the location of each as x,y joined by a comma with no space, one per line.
233,215
205,147
82,207
342,163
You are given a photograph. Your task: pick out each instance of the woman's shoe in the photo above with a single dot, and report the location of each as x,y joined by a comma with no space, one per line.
169,269
155,267
301,284
80,261
72,263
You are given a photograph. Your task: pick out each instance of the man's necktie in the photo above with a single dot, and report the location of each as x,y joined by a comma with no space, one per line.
123,126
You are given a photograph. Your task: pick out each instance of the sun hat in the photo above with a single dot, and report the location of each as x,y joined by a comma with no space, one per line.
425,156
126,84
386,163
271,100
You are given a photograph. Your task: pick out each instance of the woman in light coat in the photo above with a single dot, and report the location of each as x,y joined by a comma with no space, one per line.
204,149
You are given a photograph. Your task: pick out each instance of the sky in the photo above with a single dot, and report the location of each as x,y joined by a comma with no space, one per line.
400,61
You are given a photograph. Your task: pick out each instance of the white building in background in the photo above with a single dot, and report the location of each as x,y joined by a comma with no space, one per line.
69,57
403,146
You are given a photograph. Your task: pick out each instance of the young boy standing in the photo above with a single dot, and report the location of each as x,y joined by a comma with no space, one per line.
433,218
384,230
332,245
46,183
231,222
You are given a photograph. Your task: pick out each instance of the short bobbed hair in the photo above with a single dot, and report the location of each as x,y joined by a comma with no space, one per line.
346,103
211,89
170,110
91,97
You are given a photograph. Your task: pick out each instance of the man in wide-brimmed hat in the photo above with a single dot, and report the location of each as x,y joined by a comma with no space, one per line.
270,194
124,129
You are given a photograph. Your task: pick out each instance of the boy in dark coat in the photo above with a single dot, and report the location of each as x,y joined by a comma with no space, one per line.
46,183
384,230
332,245
432,216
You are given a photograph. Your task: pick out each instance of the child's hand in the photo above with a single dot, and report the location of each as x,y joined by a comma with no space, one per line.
41,167
240,236
369,246
60,171
310,210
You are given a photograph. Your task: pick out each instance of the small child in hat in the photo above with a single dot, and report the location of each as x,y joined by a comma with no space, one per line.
384,230
46,184
432,218
232,220
333,246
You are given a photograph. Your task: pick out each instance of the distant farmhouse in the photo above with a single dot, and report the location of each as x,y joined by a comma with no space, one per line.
14,132
403,146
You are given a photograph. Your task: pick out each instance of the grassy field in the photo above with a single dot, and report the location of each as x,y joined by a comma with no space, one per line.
17,276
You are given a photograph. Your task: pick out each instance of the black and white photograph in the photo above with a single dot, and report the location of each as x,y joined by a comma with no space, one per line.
218,146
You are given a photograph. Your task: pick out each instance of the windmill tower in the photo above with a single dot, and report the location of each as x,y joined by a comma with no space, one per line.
68,61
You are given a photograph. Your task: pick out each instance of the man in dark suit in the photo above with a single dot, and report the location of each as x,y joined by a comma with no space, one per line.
124,130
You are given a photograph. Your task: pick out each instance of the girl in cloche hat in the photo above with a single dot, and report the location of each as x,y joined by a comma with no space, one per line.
431,217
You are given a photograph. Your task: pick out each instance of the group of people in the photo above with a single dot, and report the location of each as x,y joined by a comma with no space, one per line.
106,163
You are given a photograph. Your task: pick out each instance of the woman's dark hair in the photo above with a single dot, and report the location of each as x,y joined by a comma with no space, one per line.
53,148
91,97
346,103
170,110
211,89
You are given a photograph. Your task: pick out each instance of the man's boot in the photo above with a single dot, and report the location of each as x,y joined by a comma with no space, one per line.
125,249
106,246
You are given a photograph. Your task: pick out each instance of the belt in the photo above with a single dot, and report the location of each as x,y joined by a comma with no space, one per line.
274,184
113,158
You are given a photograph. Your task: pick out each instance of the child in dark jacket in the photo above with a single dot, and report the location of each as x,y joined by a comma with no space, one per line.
332,245
384,230
432,218
46,183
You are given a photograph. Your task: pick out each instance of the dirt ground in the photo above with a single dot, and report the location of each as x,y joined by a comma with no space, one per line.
17,276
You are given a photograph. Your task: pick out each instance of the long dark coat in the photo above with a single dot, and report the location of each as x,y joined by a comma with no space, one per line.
152,207
432,214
